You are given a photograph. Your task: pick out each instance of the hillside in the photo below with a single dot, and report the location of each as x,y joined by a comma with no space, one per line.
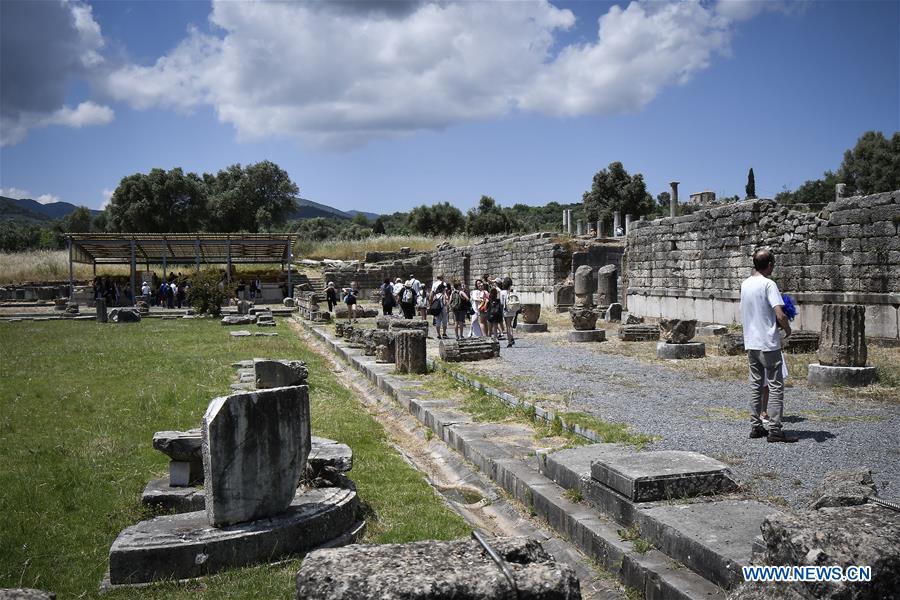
27,210
307,209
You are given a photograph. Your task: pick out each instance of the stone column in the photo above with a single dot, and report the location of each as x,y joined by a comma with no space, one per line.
607,285
617,223
569,221
627,224
410,352
599,229
839,190
101,310
673,202
579,227
565,218
842,341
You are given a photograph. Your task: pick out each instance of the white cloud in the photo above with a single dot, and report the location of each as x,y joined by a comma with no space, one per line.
743,10
20,194
45,46
340,75
107,196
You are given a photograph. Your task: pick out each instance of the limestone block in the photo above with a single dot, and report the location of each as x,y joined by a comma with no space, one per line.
180,445
585,283
731,344
531,313
458,570
583,318
638,333
255,447
124,315
850,487
238,320
614,313
279,373
410,351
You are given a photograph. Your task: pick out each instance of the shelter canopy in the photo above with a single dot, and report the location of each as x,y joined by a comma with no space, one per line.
180,248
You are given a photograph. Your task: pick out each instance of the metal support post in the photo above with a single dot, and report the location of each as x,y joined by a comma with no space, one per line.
133,273
71,272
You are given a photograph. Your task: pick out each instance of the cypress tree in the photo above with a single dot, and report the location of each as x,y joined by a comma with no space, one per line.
751,185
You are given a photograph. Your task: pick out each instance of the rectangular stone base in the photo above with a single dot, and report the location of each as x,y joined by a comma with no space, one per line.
662,475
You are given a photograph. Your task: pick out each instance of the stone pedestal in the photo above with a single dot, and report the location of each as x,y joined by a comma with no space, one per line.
607,285
384,340
586,335
410,352
100,305
678,331
842,341
583,319
831,376
532,327
680,351
279,373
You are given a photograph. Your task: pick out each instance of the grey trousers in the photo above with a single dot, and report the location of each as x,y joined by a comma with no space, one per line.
766,369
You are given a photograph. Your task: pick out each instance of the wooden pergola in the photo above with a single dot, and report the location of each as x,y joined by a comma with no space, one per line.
178,249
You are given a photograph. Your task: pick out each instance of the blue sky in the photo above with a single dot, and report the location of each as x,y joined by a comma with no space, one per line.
382,106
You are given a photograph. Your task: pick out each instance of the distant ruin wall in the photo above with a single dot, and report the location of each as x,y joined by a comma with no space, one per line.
369,277
535,262
692,266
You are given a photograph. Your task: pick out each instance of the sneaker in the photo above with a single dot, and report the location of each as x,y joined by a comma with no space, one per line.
758,432
509,344
779,436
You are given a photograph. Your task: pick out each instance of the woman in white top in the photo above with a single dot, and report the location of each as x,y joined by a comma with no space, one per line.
508,315
477,295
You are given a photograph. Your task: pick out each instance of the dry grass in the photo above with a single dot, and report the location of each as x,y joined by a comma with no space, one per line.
45,266
356,249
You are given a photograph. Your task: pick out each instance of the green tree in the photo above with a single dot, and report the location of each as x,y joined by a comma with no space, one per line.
750,188
77,221
100,222
873,165
488,219
437,219
160,201
258,197
378,227
209,291
663,201
614,189
812,192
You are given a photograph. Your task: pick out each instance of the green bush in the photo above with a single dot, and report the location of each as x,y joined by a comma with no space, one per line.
208,292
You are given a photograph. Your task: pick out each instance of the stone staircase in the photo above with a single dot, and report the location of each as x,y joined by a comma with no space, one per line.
317,282
670,524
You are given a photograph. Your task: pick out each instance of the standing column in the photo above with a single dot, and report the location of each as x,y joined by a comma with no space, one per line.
673,201
197,254
580,227
565,219
617,223
569,221
133,272
228,256
599,229
71,272
627,224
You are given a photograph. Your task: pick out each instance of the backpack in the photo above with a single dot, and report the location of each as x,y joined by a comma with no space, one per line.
513,304
406,296
494,312
439,289
456,302
436,308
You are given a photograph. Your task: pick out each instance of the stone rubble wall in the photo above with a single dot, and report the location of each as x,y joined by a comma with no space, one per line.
692,266
535,262
369,277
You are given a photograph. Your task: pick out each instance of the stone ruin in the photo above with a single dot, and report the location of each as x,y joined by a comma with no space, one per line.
469,349
432,570
531,316
256,503
639,333
678,334
584,315
410,351
842,348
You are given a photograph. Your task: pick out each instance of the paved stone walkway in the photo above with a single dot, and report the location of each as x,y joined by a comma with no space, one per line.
709,415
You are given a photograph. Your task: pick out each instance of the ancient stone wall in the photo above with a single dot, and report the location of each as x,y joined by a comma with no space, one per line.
692,266
535,262
370,276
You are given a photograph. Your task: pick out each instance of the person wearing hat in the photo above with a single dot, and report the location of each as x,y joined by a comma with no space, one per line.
145,289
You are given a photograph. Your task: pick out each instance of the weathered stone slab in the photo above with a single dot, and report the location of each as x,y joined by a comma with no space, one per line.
180,445
665,350
240,333
185,545
278,373
398,325
712,330
531,313
802,342
588,335
662,475
329,454
731,344
532,327
255,447
846,536
614,313
844,488
410,350
638,333
26,594
238,320
831,376
455,570
469,349
159,494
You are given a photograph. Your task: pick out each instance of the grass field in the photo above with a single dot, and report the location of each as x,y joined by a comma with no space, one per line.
78,407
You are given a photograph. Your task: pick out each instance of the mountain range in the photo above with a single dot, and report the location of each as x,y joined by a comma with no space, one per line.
12,209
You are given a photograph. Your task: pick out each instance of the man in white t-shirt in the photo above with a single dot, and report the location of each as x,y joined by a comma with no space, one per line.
762,312
415,284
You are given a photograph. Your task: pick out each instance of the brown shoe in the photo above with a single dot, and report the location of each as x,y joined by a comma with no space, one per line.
778,436
758,432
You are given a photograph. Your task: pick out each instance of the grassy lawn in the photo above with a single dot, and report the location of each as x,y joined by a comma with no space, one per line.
79,404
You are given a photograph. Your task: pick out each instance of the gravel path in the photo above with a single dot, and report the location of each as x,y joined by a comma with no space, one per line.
710,416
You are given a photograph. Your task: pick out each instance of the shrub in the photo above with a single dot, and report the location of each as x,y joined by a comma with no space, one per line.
208,292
